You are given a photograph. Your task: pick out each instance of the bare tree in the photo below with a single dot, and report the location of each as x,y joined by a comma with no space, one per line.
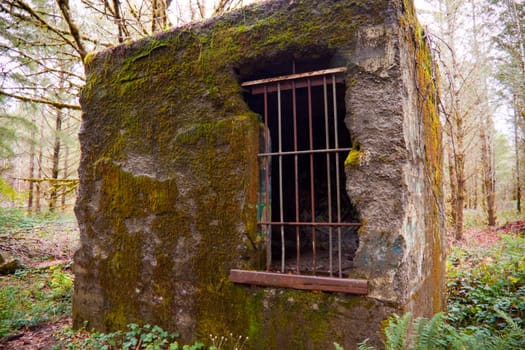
517,152
44,45
507,20
466,109
485,122
456,128
31,167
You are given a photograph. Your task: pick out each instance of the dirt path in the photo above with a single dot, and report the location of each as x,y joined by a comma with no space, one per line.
487,237
42,337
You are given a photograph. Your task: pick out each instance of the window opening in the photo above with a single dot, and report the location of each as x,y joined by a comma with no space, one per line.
308,221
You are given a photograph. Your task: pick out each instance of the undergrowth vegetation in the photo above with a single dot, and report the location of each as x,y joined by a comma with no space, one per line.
32,238
486,304
16,221
476,219
33,296
487,287
486,298
136,337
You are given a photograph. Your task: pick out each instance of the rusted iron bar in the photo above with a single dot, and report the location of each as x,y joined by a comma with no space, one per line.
328,175
338,185
307,223
268,230
281,210
289,153
283,78
312,186
292,82
257,90
296,173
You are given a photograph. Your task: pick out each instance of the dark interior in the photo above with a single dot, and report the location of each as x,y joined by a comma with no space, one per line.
298,207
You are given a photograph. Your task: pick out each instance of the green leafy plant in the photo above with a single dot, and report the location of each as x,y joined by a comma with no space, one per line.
30,297
436,334
482,282
396,332
486,308
7,191
13,220
141,337
136,337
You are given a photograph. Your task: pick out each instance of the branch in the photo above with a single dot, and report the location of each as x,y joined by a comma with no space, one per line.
45,24
224,6
73,29
39,61
138,20
41,100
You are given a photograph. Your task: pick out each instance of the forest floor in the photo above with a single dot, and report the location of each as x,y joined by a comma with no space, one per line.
475,238
50,249
45,248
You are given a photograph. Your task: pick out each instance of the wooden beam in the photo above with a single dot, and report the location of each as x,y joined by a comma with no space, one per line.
327,284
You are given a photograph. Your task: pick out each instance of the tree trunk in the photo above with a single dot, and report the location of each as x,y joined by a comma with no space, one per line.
38,187
31,169
460,198
485,127
488,174
66,171
459,165
517,149
475,206
53,193
452,185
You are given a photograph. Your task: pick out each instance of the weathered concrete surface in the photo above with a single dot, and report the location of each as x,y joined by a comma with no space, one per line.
169,176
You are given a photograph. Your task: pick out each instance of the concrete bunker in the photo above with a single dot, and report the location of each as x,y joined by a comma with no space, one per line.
174,155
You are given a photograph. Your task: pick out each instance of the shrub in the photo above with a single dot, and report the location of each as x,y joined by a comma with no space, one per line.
135,338
482,284
34,296
486,305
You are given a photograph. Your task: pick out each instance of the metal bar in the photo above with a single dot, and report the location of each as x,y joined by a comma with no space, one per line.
267,182
302,223
338,185
328,177
291,153
295,76
312,186
296,174
287,85
281,211
292,82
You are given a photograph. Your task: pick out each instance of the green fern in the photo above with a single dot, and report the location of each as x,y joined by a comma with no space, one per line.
514,338
429,333
396,332
510,321
436,334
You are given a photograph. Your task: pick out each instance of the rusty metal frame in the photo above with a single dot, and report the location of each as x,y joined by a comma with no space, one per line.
327,78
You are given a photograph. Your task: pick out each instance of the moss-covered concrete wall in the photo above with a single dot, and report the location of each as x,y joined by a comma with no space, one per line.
169,176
